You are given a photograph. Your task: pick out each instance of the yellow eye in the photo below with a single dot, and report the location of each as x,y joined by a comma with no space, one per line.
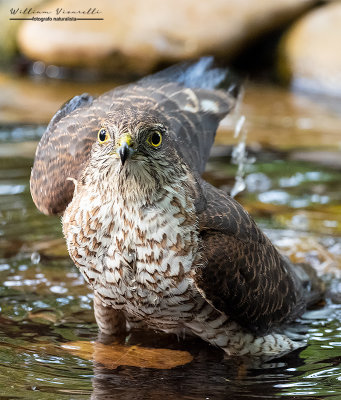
103,135
155,139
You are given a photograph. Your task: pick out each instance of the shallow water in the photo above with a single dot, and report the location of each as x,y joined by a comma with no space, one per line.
44,303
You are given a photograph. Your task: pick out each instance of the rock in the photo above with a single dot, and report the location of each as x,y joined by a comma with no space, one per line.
311,51
136,36
35,101
9,28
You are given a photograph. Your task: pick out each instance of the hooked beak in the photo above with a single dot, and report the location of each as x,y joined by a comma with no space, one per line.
125,151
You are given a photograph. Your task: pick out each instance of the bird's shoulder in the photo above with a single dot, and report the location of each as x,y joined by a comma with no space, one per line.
221,213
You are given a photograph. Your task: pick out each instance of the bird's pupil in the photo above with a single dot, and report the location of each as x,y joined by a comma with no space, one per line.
102,135
156,139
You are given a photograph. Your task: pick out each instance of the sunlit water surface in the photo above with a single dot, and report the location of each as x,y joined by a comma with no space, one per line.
44,302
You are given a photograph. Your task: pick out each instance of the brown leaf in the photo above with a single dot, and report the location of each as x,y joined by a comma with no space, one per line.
114,355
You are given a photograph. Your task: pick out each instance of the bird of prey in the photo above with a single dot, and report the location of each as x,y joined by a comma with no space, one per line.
160,247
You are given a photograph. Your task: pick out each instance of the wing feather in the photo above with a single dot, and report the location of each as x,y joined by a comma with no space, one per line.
244,275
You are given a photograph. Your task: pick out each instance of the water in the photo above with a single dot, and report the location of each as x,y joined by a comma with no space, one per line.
46,309
239,154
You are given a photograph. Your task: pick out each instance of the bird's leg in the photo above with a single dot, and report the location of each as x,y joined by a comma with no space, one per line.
110,322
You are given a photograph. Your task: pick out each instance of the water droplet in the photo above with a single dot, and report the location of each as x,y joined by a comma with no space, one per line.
239,126
238,187
35,257
257,182
240,156
238,153
300,221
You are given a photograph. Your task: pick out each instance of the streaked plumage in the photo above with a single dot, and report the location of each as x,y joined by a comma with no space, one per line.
161,247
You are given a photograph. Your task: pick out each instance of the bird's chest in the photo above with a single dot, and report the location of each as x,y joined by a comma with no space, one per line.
139,259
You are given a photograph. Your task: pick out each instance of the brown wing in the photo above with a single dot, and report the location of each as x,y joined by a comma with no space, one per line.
186,97
195,97
244,275
62,153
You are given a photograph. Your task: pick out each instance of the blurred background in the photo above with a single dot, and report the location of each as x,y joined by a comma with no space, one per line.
279,153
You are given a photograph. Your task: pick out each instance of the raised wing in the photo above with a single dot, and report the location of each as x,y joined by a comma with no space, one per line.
195,98
62,153
243,275
192,97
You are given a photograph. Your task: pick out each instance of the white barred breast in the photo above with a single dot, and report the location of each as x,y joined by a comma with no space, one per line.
139,260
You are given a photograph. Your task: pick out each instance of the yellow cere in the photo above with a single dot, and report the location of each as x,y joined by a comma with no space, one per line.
126,139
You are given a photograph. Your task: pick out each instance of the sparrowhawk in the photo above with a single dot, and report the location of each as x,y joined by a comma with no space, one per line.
160,247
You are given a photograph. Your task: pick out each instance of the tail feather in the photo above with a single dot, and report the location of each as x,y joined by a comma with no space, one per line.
313,286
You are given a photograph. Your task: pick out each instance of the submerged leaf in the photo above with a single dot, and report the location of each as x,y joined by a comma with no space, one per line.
114,355
45,316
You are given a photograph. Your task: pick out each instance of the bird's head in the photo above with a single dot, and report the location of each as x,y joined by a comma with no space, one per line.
134,157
